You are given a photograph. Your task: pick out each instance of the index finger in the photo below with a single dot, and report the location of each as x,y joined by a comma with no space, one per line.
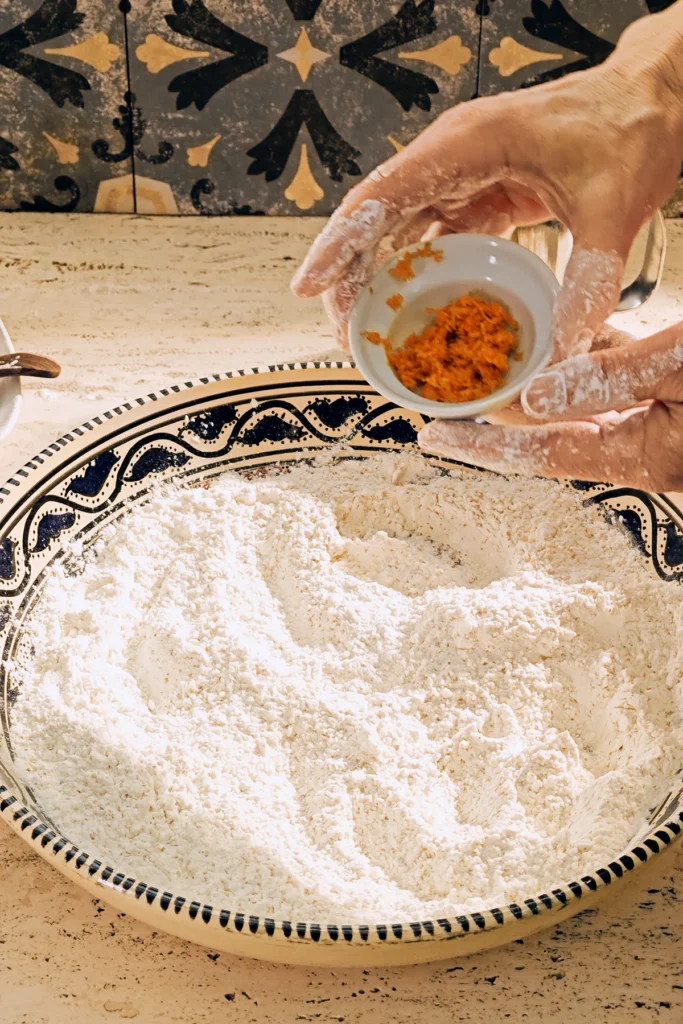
358,225
406,184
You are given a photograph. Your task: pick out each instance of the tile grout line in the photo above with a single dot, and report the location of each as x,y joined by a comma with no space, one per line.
125,8
481,33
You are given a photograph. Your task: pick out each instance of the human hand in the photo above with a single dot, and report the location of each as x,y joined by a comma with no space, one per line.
600,151
614,415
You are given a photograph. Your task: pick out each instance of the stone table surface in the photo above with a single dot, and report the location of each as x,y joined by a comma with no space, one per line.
127,305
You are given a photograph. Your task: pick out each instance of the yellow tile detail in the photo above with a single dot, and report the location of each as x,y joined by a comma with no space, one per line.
450,55
66,152
96,51
304,55
158,54
115,195
304,190
154,196
511,56
198,156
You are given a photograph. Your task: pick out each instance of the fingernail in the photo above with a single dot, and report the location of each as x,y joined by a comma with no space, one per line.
297,279
546,395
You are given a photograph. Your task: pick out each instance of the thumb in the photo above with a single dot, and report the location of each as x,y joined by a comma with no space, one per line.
603,237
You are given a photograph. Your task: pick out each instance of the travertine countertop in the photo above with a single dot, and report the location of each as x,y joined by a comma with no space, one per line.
130,304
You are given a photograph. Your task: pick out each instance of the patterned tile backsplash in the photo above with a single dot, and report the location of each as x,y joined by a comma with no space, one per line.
256,106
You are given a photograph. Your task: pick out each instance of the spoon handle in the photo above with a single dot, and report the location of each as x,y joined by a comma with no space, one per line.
25,364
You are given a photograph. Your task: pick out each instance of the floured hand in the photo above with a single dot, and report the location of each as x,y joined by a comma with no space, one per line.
600,151
614,415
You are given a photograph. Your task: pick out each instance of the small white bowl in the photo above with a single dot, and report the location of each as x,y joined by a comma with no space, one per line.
499,269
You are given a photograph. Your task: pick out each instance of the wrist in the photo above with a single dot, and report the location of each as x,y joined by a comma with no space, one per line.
650,54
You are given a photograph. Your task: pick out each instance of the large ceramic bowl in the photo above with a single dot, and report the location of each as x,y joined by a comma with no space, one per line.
73,488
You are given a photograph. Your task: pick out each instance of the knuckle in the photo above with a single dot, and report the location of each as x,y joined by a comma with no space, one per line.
662,454
608,362
661,479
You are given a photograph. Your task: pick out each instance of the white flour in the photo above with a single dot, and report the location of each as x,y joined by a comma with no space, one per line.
360,692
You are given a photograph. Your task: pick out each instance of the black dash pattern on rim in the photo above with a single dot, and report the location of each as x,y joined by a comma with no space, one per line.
417,929
300,419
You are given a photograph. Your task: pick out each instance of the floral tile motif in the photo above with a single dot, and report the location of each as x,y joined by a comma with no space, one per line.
63,78
527,42
257,106
279,106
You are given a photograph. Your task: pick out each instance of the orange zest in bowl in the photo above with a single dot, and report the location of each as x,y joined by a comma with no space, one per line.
428,252
375,338
395,302
462,355
404,270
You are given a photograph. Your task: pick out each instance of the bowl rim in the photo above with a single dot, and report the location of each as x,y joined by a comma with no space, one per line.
665,822
476,407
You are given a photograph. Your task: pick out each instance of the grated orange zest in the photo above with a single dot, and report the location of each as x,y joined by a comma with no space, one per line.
404,270
462,355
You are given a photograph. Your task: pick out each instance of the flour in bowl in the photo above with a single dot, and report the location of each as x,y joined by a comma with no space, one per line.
359,692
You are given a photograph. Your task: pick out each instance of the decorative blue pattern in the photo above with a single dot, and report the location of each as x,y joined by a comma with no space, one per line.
96,472
7,559
156,460
50,526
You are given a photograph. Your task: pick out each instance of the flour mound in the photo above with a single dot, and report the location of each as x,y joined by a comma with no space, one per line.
356,692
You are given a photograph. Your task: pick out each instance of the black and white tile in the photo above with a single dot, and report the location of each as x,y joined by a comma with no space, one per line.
63,82
527,42
256,106
279,106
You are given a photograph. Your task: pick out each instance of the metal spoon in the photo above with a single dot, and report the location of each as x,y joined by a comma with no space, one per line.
25,364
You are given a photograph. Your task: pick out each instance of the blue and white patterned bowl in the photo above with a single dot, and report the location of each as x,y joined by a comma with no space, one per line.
246,419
